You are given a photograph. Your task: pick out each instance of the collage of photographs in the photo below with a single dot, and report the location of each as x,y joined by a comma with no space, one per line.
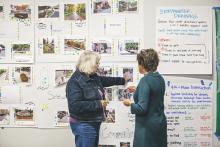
67,12
116,47
56,34
16,52
77,11
69,45
114,94
71,12
16,75
74,45
62,74
11,79
24,116
15,46
118,6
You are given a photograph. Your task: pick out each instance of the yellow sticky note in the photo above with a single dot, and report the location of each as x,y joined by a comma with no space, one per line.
44,107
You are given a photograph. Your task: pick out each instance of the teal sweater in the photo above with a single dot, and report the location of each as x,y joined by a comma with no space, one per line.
148,107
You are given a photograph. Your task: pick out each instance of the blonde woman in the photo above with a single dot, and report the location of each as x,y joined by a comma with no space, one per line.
86,99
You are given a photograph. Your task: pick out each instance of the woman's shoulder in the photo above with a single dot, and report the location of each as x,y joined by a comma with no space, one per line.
152,76
144,80
75,78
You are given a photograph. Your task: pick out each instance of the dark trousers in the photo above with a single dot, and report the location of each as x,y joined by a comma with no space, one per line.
86,133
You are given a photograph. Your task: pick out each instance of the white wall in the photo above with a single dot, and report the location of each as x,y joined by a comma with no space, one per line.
29,137
26,137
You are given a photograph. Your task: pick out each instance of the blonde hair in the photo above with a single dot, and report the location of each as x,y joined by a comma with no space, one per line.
88,62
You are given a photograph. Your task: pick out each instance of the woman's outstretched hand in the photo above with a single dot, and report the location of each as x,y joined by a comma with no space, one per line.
131,89
127,102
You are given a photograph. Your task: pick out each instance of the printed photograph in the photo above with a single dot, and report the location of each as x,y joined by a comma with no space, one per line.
128,73
75,12
102,6
124,144
48,11
62,117
74,45
102,47
4,116
2,50
4,73
128,47
62,76
124,94
48,45
1,12
107,146
21,49
21,75
105,71
108,94
127,6
22,11
110,116
24,114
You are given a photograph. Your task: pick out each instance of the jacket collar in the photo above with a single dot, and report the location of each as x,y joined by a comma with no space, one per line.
83,76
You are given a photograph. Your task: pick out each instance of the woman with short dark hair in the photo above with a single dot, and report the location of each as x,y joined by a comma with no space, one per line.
148,106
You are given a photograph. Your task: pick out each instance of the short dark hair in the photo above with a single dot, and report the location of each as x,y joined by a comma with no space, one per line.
148,58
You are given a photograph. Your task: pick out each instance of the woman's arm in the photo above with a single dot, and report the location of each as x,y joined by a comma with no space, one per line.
111,81
141,106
